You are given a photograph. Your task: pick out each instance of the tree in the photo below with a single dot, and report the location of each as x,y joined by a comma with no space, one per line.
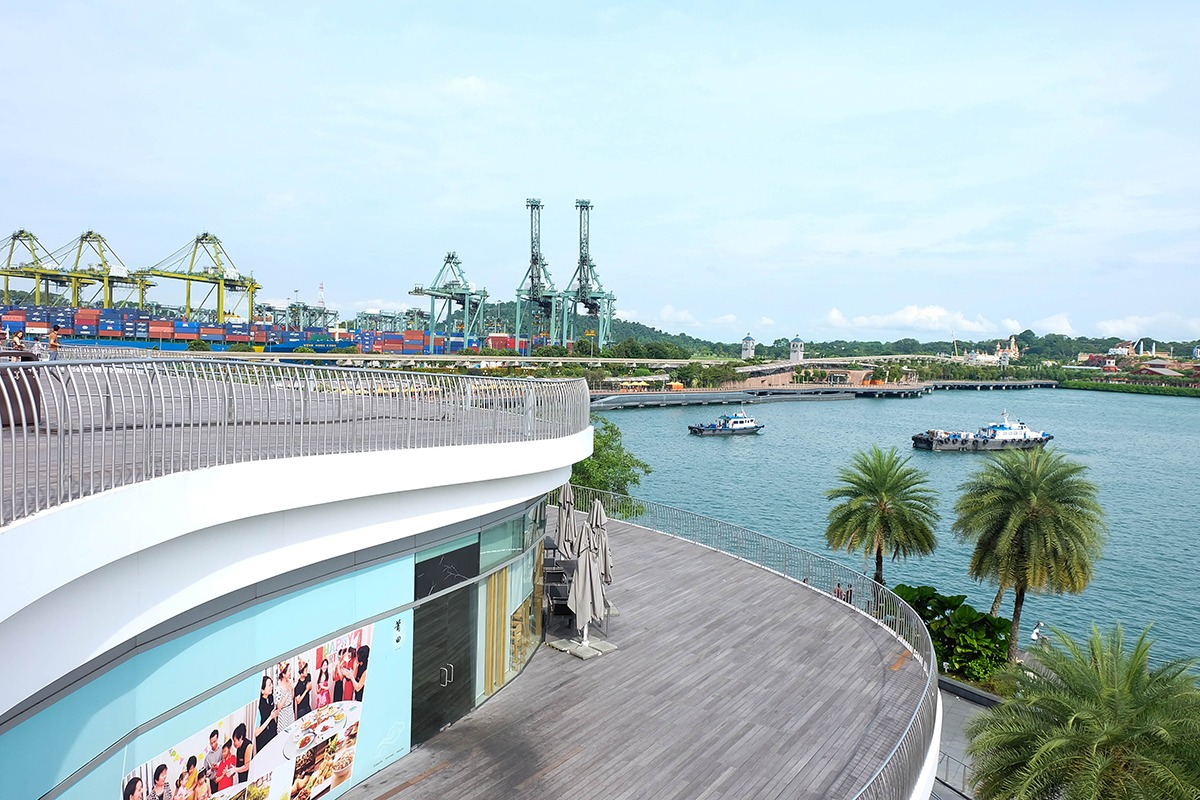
610,467
888,508
1094,723
199,345
1035,523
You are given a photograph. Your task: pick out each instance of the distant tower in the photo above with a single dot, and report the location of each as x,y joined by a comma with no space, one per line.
321,295
748,348
797,351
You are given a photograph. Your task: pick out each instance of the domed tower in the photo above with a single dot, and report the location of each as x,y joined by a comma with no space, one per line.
748,347
797,350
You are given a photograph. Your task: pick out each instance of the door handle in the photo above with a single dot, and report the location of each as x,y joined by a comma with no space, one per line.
451,666
445,676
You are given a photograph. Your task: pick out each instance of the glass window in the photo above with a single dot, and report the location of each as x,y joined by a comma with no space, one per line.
501,542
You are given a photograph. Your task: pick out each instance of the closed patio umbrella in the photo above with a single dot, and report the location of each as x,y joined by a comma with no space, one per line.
586,598
598,522
567,535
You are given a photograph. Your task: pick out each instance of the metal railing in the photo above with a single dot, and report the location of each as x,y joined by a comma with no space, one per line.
898,771
71,429
955,774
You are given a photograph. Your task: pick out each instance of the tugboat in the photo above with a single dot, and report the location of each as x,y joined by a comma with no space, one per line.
1003,435
734,424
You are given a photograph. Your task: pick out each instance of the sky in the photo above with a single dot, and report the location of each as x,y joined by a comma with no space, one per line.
833,171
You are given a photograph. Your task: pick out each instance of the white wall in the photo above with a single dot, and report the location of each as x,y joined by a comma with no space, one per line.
100,571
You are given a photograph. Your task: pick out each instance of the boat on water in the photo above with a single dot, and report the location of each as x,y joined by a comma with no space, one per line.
1003,435
734,424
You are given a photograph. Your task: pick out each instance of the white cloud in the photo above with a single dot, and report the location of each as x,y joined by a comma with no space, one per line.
1167,324
673,316
912,318
629,315
765,322
352,307
1055,323
1011,325
725,320
472,88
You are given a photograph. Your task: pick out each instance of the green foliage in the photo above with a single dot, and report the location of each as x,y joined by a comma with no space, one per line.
551,350
887,507
699,376
199,345
1035,523
1132,388
492,351
969,644
1093,721
239,347
610,467
345,350
304,349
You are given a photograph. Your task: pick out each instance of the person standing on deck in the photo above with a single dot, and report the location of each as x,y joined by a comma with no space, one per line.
54,344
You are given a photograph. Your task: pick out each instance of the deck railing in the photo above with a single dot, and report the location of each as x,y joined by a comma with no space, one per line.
897,774
70,429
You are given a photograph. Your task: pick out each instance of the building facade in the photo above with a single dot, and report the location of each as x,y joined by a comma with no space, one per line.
272,624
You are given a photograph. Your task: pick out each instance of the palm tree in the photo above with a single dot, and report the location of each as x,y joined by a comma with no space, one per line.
1094,723
888,508
1035,523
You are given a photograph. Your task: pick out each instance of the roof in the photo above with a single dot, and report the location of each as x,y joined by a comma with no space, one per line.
1162,371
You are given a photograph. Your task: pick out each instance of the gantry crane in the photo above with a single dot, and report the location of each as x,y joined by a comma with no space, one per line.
536,293
412,319
205,261
585,287
28,259
452,288
109,270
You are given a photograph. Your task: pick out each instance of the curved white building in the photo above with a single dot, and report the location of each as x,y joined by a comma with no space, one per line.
246,576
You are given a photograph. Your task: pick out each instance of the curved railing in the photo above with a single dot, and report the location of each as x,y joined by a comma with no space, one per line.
70,429
897,773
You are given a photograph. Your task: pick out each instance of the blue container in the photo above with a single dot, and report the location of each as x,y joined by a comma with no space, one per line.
12,327
85,330
212,337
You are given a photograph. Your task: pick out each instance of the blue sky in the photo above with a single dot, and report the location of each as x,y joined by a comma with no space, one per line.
865,171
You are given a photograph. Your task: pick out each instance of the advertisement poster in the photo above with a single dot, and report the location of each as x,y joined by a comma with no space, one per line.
295,741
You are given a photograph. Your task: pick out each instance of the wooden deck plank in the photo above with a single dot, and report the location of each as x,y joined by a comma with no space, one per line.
730,681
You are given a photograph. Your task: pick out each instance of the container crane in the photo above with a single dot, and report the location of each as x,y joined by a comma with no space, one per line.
585,287
452,288
109,270
205,261
536,293
27,259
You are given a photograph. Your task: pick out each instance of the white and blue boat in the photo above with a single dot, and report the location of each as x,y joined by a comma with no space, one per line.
735,424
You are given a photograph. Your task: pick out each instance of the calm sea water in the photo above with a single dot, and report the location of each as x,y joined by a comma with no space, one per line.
1142,452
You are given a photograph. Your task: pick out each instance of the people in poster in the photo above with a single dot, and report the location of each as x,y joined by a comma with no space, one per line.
267,713
294,730
285,696
303,689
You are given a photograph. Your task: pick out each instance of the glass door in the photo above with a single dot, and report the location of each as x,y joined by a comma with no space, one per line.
443,662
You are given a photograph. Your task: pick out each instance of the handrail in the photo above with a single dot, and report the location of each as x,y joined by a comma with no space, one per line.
897,776
71,429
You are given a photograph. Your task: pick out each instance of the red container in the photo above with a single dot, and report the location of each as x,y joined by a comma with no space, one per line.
212,331
179,337
111,334
237,337
414,335
260,337
377,347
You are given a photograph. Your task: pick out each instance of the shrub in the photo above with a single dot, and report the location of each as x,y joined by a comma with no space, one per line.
199,345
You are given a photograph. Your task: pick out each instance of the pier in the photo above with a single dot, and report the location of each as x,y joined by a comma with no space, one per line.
606,401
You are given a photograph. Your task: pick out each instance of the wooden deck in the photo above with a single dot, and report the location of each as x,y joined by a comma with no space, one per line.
729,681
